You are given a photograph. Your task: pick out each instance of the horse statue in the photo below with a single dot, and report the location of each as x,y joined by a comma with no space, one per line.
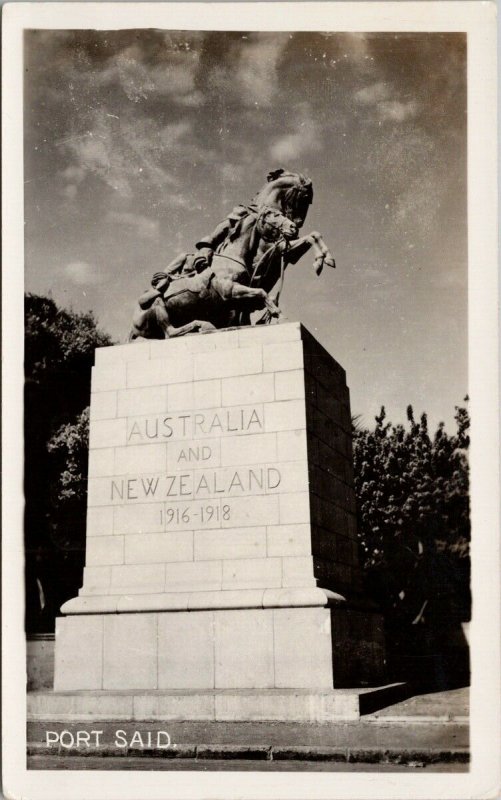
236,268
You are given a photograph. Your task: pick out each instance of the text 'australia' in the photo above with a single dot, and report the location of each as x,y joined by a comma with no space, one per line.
192,426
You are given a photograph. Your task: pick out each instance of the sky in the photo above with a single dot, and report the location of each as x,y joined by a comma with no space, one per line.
138,142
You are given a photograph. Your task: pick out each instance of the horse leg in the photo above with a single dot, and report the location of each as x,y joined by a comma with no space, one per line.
197,326
241,292
299,247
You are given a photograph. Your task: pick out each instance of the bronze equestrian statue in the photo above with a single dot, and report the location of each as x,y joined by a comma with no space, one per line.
236,268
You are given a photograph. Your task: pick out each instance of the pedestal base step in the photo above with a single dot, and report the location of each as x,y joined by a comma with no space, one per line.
225,705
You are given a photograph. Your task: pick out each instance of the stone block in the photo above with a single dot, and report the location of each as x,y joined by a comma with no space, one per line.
186,650
101,462
180,396
146,400
207,394
257,510
71,671
158,372
108,378
174,706
103,405
117,353
100,521
270,334
244,649
293,476
282,356
157,548
168,348
291,445
221,364
130,651
247,389
288,540
302,648
297,571
103,550
254,448
131,578
294,508
193,452
252,573
193,576
140,458
107,433
140,518
96,580
289,385
231,543
284,415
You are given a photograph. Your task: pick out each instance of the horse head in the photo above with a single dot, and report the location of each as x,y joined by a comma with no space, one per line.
290,193
273,226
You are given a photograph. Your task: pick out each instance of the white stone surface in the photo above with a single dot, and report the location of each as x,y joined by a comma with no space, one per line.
247,389
251,449
232,543
186,650
310,664
100,521
180,396
244,649
220,364
138,351
105,379
297,571
294,507
284,415
158,548
130,651
291,445
207,394
252,573
107,433
149,400
104,550
101,462
257,510
140,458
283,356
289,385
71,670
103,405
134,578
140,518
159,372
203,576
96,579
269,334
289,540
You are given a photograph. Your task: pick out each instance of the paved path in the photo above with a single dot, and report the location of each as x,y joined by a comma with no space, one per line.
426,731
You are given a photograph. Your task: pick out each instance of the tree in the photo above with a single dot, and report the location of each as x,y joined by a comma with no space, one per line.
413,520
59,353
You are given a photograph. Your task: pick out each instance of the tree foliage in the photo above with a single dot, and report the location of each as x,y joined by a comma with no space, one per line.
413,519
59,353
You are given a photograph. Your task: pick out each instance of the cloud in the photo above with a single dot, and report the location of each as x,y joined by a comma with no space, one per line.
371,95
247,72
305,138
82,273
395,111
145,227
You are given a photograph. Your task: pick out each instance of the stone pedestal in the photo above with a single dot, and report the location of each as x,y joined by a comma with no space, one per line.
221,535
